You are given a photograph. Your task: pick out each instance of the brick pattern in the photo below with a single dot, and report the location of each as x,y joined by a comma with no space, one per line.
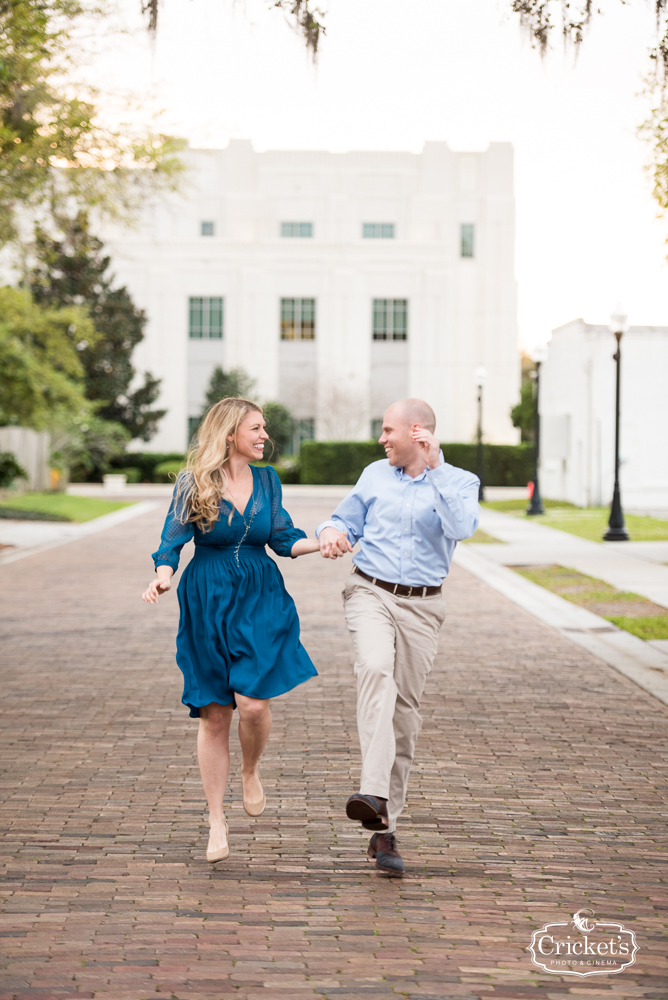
539,788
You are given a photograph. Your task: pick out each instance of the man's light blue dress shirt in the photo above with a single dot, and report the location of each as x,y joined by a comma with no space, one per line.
408,528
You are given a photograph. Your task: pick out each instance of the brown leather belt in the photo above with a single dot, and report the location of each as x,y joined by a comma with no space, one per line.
399,589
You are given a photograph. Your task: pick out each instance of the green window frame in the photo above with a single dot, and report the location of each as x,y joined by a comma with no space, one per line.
207,228
205,317
376,428
390,319
297,319
467,239
378,230
297,230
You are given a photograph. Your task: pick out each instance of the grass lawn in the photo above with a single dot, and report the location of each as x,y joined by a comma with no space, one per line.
587,523
629,611
61,507
481,537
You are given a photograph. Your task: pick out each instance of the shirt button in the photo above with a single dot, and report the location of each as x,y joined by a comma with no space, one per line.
405,529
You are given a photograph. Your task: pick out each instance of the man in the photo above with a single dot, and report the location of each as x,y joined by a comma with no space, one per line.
407,512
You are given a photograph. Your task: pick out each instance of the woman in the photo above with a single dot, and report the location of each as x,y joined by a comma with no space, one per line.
238,640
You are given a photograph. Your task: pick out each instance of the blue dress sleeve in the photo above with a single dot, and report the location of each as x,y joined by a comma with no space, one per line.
283,532
174,536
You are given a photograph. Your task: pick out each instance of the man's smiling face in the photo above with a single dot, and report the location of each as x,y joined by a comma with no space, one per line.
396,438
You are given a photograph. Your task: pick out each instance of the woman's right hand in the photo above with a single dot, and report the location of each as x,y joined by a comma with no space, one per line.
160,585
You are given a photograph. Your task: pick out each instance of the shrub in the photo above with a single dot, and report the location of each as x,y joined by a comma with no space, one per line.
166,472
340,463
132,473
336,463
10,469
146,462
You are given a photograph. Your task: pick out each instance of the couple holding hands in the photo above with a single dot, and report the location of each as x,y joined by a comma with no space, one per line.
238,641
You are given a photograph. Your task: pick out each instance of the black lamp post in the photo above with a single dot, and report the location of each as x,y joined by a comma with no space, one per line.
536,504
616,530
480,379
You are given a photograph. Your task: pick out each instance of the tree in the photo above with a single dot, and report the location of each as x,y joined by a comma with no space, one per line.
53,147
74,270
304,18
41,374
279,425
523,415
236,383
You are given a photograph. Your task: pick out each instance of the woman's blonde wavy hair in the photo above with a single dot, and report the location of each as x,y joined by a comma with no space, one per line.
201,485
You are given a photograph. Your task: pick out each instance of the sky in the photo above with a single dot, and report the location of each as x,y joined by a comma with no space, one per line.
392,74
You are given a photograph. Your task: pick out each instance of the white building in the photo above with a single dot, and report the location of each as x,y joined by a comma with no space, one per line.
577,405
340,282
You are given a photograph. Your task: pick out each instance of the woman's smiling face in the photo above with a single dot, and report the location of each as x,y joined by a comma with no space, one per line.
251,437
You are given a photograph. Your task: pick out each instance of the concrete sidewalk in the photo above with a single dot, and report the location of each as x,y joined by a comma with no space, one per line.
641,567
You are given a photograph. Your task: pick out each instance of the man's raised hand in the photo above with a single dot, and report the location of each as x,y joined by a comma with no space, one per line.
333,543
429,445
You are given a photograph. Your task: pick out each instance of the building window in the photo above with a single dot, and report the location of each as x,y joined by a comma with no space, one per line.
390,319
297,319
206,318
207,229
303,230
193,427
467,239
378,230
376,428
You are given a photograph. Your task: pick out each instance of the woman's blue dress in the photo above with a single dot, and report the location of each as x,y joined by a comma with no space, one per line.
239,630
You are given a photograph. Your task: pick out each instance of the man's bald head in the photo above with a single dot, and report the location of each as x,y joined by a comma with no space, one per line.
415,411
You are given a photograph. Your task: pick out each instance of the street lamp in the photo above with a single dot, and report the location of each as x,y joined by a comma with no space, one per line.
538,355
480,376
616,531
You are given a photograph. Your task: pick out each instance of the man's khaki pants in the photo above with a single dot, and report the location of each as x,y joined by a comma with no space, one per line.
395,641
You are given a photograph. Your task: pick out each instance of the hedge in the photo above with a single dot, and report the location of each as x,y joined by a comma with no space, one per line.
340,463
146,462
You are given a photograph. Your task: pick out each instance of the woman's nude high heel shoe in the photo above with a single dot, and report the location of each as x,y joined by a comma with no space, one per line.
223,852
254,808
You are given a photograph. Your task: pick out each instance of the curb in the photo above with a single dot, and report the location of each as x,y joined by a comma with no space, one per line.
87,528
643,664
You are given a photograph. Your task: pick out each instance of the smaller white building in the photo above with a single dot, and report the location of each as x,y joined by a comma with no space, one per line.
577,411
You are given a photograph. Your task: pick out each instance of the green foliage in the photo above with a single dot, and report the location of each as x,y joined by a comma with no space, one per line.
146,462
523,415
329,463
86,447
236,383
53,148
279,425
167,472
341,462
131,473
41,374
10,469
74,269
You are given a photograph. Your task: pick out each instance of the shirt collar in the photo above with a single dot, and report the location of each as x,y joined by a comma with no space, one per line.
399,471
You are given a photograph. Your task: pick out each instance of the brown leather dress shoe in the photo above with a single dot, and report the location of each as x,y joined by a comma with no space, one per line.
368,810
383,847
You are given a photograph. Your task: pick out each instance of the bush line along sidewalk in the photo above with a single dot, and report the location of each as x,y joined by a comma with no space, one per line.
340,463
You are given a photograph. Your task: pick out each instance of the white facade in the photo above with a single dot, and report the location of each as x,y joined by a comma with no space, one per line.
577,406
461,310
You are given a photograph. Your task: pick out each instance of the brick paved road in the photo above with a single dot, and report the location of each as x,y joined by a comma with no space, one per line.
539,788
